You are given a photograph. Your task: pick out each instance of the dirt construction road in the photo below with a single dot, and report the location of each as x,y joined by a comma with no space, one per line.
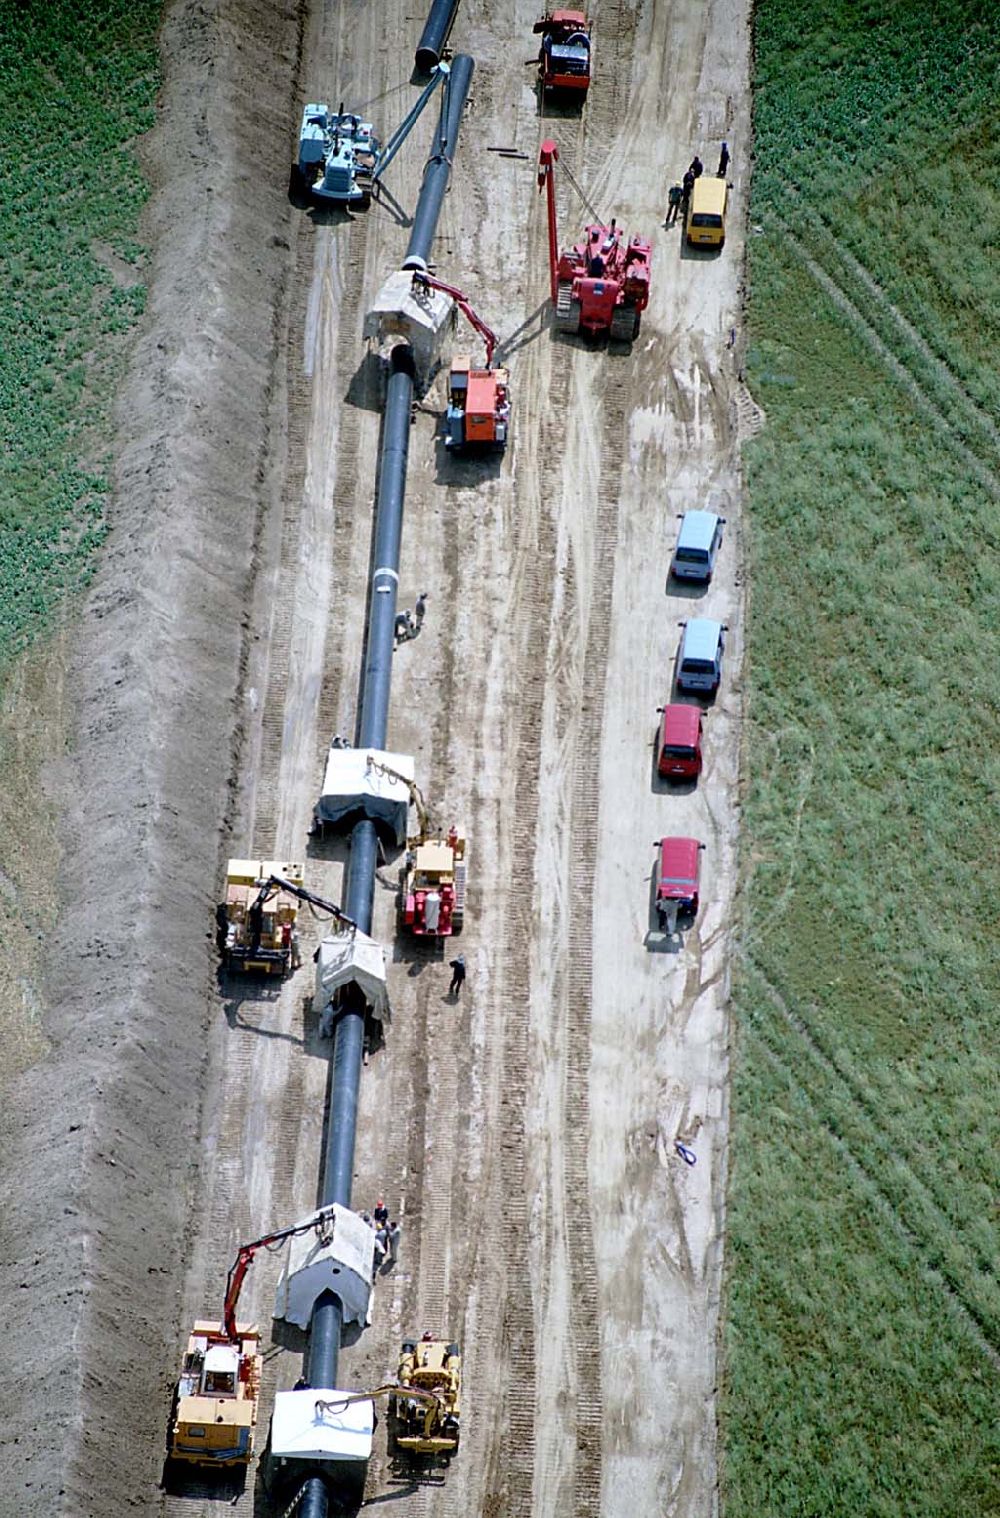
524,1134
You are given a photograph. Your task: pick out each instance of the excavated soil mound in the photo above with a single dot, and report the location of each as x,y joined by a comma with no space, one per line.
98,1144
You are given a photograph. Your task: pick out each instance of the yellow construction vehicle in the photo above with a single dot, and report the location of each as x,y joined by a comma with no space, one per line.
215,1403
423,1403
257,922
214,1411
435,1366
434,876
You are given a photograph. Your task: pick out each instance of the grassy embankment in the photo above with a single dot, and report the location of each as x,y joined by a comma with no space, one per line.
863,1304
77,86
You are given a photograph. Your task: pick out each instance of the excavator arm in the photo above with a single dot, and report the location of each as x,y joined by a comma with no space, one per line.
245,1258
487,334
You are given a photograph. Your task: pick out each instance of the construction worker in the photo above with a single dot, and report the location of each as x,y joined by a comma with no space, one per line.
457,967
686,189
404,626
394,1232
381,1245
674,195
724,160
696,167
381,1213
420,609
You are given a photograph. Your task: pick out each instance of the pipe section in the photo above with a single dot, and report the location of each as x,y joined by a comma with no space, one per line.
344,1078
438,169
435,34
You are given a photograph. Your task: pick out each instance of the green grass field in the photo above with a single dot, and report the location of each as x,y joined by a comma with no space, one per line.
862,1344
77,86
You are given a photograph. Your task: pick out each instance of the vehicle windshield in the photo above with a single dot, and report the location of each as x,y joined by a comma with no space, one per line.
704,219
693,555
678,751
698,666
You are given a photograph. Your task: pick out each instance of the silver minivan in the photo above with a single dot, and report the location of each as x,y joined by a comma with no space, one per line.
698,542
699,659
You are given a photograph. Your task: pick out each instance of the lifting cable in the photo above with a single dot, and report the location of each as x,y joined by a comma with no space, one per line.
581,192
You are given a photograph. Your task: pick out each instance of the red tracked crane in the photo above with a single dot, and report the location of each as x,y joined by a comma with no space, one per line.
478,399
601,284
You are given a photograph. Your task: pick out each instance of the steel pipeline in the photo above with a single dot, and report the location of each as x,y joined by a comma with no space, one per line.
435,34
344,1077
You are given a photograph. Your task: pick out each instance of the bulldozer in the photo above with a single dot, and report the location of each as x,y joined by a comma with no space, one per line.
214,1412
601,285
434,874
424,1402
478,399
435,1366
257,922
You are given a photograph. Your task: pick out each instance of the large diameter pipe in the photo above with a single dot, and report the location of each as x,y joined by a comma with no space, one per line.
438,169
435,34
344,1079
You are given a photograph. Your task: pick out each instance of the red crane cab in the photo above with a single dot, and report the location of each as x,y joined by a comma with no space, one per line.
679,748
564,56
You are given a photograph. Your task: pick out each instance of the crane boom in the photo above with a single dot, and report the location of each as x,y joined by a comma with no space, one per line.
245,1258
275,883
547,159
431,1400
487,334
399,136
416,794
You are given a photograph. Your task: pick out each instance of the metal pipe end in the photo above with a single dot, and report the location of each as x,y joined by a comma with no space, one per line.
427,59
416,263
403,361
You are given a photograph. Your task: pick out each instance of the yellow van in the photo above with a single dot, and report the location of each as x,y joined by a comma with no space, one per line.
706,223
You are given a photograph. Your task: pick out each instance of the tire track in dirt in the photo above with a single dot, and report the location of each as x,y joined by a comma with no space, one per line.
506,1234
586,1317
274,718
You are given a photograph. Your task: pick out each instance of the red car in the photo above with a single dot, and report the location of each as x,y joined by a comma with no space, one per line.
678,873
679,755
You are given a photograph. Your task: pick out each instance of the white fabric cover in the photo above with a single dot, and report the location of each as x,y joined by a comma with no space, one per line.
423,319
353,788
345,1266
298,1429
351,958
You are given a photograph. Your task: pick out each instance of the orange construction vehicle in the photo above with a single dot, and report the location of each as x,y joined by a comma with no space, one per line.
602,284
564,56
478,399
214,1411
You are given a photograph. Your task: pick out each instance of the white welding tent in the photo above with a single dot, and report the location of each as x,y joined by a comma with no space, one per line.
351,958
341,1259
356,785
299,1428
403,312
